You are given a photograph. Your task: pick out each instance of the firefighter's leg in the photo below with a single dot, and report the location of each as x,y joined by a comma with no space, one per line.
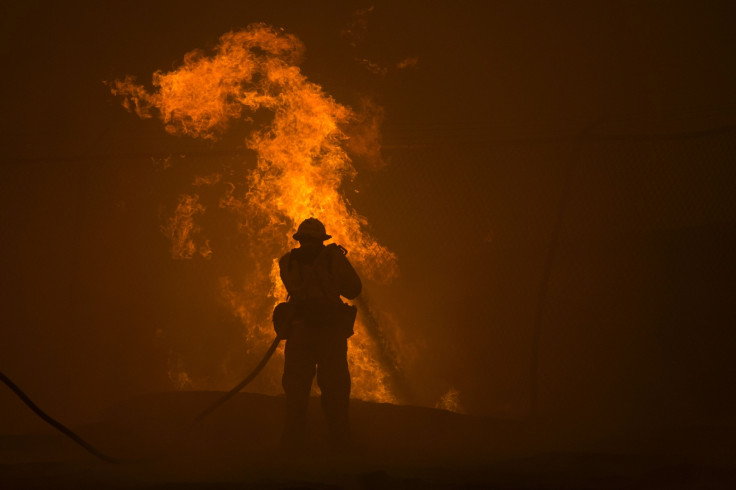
333,379
299,370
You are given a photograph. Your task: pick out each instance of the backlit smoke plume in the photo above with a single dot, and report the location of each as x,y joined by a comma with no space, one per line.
301,164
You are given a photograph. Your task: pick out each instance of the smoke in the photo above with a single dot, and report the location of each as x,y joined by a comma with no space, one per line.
365,134
355,34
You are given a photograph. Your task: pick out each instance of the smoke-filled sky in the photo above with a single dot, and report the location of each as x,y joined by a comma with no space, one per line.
573,155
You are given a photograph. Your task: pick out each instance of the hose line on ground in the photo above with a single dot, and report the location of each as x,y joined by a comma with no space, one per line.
55,423
99,454
242,384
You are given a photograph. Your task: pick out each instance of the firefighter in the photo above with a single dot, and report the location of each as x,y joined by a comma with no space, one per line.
315,276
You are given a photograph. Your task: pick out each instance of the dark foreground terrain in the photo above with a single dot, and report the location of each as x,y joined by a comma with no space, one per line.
396,447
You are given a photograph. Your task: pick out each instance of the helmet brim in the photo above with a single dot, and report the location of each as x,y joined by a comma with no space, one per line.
301,236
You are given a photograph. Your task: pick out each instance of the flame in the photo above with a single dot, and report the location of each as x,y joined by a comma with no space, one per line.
183,232
177,375
301,164
450,401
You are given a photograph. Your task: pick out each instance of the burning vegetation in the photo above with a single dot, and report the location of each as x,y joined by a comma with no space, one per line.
301,163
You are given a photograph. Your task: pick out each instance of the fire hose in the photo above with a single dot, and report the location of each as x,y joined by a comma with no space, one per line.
104,457
242,384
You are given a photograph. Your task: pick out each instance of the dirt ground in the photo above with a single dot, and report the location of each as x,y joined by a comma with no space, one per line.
395,447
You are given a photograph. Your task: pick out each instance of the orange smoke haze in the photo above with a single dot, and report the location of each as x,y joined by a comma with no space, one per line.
301,165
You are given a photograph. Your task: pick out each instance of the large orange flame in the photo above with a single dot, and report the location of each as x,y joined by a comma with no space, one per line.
301,164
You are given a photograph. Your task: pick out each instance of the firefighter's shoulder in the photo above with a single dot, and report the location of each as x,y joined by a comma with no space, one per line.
284,260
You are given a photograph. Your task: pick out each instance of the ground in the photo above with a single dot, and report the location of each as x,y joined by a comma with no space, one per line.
396,447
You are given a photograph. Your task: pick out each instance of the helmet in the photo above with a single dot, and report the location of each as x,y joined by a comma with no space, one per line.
311,228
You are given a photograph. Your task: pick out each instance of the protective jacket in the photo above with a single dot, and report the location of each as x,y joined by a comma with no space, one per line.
315,277
319,274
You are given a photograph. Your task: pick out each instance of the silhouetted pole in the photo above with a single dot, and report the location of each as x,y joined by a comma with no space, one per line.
544,286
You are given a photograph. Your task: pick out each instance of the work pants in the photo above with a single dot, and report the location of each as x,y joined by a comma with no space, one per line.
314,350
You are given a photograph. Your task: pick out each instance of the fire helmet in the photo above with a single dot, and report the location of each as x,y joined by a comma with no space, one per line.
311,228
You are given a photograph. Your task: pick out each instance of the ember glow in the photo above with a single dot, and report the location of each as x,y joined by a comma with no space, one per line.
301,165
450,401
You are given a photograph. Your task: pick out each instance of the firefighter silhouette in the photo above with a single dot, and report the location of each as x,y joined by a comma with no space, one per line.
315,276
